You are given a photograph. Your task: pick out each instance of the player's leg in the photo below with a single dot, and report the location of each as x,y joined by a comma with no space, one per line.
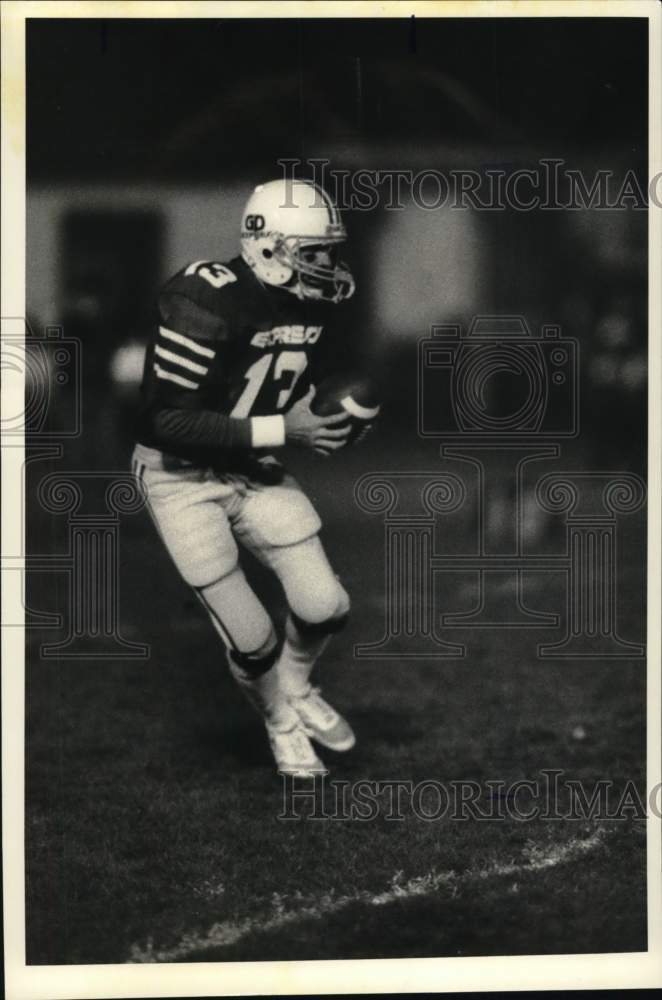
319,608
250,641
251,644
242,622
191,521
188,513
280,525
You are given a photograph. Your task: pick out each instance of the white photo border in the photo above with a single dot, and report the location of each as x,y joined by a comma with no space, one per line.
508,973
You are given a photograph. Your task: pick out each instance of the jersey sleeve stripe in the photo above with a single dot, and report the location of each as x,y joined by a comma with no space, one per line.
179,338
172,377
179,359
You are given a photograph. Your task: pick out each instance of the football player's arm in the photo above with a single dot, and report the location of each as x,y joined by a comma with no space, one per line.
182,431
189,340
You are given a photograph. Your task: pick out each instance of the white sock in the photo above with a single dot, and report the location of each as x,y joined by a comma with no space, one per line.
297,659
265,694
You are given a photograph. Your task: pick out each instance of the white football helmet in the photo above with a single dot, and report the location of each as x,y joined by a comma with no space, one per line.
290,231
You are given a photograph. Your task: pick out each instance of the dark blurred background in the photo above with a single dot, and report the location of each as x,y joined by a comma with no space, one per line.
145,137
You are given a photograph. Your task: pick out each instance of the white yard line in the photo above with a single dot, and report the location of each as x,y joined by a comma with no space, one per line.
287,910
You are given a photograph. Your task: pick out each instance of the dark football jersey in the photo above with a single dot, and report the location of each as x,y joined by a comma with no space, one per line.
227,348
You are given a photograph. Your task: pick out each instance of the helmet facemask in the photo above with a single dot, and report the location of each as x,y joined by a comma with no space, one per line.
317,273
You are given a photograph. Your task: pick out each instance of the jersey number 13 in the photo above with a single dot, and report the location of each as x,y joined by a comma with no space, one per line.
288,368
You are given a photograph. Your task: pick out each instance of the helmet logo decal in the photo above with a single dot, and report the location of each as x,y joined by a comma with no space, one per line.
254,223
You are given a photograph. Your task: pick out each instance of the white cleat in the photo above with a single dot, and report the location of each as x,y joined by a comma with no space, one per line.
321,722
294,753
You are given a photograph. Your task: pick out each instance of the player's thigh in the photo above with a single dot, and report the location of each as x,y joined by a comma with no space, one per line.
194,527
273,516
279,525
314,592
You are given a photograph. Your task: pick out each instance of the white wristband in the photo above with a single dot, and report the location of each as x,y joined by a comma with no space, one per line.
268,432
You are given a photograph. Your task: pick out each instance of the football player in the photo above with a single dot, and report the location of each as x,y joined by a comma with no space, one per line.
229,378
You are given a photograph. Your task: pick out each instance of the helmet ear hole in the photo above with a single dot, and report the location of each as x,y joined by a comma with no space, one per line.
267,254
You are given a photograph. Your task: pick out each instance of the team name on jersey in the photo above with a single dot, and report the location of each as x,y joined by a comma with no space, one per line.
297,334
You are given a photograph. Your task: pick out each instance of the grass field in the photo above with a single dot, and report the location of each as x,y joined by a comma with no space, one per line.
152,807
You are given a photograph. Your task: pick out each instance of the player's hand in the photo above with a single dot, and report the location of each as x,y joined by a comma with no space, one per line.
305,428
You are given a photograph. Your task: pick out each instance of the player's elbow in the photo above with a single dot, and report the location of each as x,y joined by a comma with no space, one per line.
167,427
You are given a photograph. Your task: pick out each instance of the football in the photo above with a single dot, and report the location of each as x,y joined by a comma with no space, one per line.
354,393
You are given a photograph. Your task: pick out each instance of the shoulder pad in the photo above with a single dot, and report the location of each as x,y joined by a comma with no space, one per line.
202,281
194,303
208,272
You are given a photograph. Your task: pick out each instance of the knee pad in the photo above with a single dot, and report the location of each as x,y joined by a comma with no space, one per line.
314,630
314,592
258,662
342,611
325,609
